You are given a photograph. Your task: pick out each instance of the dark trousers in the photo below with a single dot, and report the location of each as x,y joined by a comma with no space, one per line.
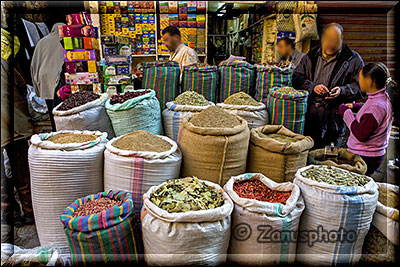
373,163
49,104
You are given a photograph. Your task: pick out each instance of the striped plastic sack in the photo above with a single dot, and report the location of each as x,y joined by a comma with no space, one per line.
288,110
162,77
108,236
236,76
269,77
202,80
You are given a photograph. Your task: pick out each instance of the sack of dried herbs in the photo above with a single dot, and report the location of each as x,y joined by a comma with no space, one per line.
282,213
338,202
277,152
197,234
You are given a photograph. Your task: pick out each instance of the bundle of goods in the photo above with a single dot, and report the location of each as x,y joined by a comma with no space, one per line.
235,76
89,222
83,110
346,160
305,21
243,105
136,110
185,104
260,201
271,76
163,78
186,222
214,145
277,152
382,239
287,107
63,166
340,203
284,19
136,161
201,79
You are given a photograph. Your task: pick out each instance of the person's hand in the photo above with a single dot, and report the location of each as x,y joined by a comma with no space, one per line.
335,92
320,89
342,109
349,105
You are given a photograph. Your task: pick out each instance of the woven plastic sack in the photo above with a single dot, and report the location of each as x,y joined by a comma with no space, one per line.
186,238
105,237
139,113
202,80
288,110
285,22
163,78
263,218
256,116
306,26
342,211
61,173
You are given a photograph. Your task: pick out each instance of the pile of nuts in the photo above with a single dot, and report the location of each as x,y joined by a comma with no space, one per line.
78,99
121,98
96,206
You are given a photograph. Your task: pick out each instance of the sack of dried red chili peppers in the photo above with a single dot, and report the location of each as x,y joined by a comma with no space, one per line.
265,219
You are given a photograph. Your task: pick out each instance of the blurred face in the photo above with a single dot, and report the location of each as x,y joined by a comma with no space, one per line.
284,50
331,41
365,82
171,41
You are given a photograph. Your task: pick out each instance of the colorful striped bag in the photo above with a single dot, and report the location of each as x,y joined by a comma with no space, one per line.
236,76
162,77
269,77
202,80
288,110
108,236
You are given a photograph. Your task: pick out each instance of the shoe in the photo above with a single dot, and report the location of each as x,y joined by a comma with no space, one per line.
18,220
29,219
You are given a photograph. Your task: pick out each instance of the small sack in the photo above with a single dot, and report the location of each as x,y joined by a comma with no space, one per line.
202,80
306,27
256,116
285,22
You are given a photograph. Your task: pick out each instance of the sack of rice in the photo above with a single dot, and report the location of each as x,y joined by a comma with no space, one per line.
138,160
263,207
201,79
185,104
277,152
245,106
102,228
346,160
83,110
338,214
186,222
382,240
64,166
135,110
214,145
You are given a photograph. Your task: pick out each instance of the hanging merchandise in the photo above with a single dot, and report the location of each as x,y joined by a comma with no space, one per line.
202,80
277,152
163,78
285,21
305,22
107,230
137,110
64,166
280,213
192,237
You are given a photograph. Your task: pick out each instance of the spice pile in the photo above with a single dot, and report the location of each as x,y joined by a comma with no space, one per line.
66,138
279,137
186,194
191,98
255,189
287,90
241,98
121,98
142,141
96,206
78,99
335,176
214,117
388,198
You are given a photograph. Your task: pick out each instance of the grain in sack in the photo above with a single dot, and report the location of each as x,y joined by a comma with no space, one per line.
62,171
277,152
192,236
214,145
340,203
201,79
263,209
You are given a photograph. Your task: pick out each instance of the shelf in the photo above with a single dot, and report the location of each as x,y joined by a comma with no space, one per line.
152,55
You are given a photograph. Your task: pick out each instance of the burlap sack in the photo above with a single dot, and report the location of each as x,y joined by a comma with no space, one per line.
358,165
276,160
213,154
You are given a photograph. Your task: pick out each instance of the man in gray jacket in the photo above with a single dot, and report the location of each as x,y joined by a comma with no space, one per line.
330,74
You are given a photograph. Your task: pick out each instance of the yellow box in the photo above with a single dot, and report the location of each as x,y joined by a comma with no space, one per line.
91,66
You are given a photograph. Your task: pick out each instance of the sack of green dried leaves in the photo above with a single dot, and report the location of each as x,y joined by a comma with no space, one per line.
197,232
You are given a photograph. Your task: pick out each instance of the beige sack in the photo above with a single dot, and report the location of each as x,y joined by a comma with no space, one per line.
276,160
213,154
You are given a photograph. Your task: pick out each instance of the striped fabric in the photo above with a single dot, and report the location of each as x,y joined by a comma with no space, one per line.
162,77
287,109
109,236
236,76
202,80
269,77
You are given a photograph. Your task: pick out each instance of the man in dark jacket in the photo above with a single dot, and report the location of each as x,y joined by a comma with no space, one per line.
330,74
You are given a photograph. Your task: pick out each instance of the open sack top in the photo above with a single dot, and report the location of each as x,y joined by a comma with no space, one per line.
279,95
272,68
384,210
200,69
160,64
242,107
187,108
130,103
92,104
